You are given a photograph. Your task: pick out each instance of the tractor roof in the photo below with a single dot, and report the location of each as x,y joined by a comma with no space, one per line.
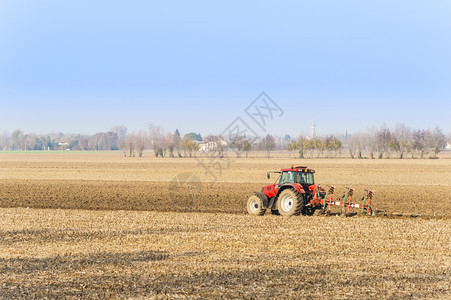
298,169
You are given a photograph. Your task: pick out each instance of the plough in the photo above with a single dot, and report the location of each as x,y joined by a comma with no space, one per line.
346,202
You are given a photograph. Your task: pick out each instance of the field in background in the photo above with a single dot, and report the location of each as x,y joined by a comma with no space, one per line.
216,250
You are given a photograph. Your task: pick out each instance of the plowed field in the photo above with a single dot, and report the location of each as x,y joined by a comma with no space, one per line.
109,181
116,227
224,197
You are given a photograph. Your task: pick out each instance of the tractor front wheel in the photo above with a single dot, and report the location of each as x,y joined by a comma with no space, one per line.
290,203
255,206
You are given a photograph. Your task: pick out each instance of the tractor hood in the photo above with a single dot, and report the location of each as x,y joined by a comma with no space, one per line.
270,190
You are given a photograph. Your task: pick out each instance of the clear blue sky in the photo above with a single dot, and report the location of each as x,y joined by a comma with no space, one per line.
84,66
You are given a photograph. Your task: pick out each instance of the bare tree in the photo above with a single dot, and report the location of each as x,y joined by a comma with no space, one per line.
176,141
236,144
291,147
428,141
4,141
403,136
369,141
121,133
18,139
93,142
247,146
111,141
42,140
189,146
383,137
82,143
308,146
156,139
438,141
169,144
393,145
332,144
418,142
355,145
140,142
320,146
130,142
221,144
268,144
102,141
30,141
299,146
122,144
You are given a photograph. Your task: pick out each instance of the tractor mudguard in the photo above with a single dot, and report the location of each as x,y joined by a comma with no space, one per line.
295,186
263,197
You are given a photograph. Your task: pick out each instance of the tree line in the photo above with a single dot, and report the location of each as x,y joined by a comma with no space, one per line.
383,142
399,142
328,146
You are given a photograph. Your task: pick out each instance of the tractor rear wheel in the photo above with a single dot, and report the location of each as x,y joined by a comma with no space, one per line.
255,206
290,203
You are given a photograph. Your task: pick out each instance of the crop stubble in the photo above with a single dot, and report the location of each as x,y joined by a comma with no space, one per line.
97,254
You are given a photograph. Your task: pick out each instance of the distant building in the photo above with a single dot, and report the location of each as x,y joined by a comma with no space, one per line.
208,146
63,145
211,146
313,136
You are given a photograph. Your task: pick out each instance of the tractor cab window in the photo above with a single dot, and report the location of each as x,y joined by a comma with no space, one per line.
304,178
286,177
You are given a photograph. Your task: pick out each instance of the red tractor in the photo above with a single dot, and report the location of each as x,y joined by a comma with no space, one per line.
293,193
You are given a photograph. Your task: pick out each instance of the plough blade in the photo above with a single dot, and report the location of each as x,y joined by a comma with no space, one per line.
346,203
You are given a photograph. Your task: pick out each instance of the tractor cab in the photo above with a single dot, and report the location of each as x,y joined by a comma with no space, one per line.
299,177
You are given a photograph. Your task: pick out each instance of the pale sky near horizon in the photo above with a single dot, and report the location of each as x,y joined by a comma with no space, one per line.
85,66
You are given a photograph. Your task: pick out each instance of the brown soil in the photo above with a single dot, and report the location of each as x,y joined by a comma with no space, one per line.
213,197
